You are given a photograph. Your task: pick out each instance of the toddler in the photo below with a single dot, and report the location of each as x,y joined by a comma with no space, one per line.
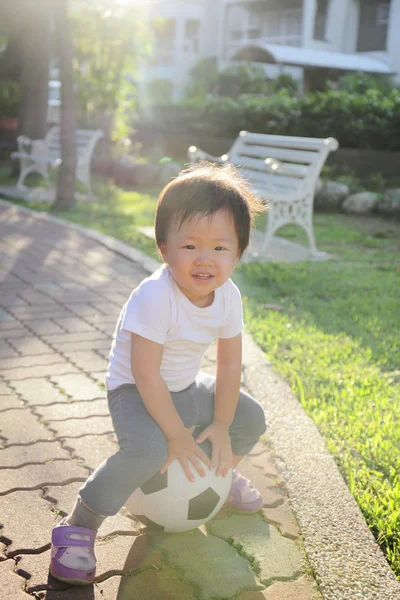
162,406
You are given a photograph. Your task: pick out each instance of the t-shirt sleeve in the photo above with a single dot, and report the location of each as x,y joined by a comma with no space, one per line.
234,322
148,312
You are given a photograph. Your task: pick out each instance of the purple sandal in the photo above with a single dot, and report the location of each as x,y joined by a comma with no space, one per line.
243,497
72,554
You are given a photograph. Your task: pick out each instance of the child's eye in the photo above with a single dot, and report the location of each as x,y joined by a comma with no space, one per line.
220,248
189,246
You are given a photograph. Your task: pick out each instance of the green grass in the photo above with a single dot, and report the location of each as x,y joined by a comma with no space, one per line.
335,339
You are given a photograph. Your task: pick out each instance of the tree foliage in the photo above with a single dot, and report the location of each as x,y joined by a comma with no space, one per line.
107,41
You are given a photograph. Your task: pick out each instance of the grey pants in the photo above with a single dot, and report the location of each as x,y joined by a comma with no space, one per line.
143,447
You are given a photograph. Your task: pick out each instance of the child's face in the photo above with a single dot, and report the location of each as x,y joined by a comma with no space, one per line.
205,246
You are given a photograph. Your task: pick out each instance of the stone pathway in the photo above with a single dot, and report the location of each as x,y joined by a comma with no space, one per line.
60,298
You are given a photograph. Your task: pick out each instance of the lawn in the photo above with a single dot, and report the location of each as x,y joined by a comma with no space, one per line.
335,339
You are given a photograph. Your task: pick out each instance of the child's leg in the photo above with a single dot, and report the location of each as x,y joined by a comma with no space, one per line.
248,426
143,451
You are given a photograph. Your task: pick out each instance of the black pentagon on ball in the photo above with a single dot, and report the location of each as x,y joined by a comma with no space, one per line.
157,483
149,523
202,505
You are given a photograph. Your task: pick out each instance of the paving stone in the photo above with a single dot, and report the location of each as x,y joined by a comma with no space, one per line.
39,371
30,345
11,402
79,387
5,389
100,344
10,299
43,327
40,452
27,520
74,324
32,313
272,494
24,429
18,331
11,583
212,566
38,391
30,361
85,427
7,351
276,557
87,360
300,589
7,321
283,518
157,584
56,466
75,338
33,296
70,410
266,465
93,453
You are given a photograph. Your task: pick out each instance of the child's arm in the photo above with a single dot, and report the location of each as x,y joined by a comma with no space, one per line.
146,359
227,389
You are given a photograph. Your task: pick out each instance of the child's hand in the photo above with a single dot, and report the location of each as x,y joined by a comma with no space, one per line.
222,448
184,448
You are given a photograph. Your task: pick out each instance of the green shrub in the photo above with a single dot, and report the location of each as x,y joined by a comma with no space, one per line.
369,120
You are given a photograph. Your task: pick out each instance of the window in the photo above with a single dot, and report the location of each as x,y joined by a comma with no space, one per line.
164,42
382,13
321,19
192,35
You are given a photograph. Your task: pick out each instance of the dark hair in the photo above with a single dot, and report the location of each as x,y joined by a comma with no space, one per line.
202,190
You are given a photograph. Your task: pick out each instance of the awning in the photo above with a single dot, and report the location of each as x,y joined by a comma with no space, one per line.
304,57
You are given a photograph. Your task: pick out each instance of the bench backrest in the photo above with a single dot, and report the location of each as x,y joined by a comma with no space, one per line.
86,140
300,161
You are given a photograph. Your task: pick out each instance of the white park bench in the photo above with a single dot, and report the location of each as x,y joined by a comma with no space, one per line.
283,171
36,156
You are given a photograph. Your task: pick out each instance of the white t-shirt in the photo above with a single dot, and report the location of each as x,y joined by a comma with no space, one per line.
159,311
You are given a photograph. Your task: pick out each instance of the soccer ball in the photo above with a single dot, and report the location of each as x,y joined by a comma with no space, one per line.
171,503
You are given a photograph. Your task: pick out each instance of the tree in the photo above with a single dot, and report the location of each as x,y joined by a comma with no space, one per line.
66,180
26,25
107,37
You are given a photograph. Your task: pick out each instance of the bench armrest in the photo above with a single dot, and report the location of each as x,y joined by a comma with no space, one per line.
195,155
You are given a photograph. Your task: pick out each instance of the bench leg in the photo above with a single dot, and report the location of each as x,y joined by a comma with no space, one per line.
299,213
31,169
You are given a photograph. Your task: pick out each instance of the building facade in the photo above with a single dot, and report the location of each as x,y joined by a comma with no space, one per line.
306,38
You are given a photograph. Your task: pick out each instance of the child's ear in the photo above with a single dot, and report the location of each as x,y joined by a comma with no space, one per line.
161,248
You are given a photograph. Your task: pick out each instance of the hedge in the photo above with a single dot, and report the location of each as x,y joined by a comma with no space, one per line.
367,121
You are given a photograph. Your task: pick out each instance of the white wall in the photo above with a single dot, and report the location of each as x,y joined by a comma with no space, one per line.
393,40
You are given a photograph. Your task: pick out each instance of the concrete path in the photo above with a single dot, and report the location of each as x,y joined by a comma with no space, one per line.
61,293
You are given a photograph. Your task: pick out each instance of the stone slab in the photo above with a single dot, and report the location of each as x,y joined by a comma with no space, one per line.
303,588
79,387
93,453
74,324
274,557
76,428
11,583
30,345
75,409
87,360
27,430
38,392
39,371
30,361
211,565
27,520
7,351
51,470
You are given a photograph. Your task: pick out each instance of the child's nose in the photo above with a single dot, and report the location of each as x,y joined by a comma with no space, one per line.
203,258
